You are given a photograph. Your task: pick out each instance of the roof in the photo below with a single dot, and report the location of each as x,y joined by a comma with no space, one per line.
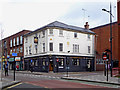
16,34
63,26
102,26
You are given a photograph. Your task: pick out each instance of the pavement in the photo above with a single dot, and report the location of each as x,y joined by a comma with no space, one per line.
97,77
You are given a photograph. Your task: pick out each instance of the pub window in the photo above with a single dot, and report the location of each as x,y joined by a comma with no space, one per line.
36,48
26,39
75,62
36,63
43,62
26,51
51,46
75,48
88,49
43,47
51,31
61,62
61,32
60,46
29,49
43,32
75,35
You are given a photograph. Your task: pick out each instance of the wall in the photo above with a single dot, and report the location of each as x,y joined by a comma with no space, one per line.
118,5
102,41
68,36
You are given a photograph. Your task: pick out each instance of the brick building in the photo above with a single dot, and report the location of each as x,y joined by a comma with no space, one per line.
14,44
118,5
102,43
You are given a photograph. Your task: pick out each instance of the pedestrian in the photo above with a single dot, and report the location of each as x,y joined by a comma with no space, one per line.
31,68
6,69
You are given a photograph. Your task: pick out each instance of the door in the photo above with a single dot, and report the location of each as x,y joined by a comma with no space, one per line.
51,65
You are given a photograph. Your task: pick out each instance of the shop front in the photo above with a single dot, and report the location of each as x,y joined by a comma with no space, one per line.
18,63
60,63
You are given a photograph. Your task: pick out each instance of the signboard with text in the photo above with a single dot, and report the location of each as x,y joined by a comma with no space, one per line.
14,54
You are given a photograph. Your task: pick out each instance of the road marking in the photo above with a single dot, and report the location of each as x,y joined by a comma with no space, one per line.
13,85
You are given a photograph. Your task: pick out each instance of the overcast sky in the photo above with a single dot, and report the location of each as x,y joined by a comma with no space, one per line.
16,15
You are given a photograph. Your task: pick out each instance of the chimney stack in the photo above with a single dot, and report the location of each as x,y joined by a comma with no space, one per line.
86,26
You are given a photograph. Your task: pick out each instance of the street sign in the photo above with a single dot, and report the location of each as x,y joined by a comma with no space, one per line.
14,54
57,59
104,57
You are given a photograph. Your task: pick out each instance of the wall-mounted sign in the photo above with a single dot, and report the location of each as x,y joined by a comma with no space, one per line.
14,54
17,58
35,39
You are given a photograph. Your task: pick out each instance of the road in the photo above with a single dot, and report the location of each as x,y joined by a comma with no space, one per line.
49,81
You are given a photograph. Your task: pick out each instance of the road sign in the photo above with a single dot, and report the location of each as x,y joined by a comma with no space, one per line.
57,59
14,54
104,57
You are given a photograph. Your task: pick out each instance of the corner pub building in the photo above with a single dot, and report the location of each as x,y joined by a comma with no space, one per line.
57,47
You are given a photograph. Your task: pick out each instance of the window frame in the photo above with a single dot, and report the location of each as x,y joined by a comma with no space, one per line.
60,47
50,31
75,34
51,46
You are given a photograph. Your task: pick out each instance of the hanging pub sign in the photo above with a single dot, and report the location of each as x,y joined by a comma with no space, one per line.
35,39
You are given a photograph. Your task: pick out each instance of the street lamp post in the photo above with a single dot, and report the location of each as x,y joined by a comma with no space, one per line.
110,12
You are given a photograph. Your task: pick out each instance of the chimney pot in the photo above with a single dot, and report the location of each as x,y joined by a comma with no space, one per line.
86,25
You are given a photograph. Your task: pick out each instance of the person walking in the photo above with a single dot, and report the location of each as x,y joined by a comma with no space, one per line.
6,69
31,68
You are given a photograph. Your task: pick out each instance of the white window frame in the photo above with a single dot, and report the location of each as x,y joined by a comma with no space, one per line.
43,47
75,35
51,31
21,40
17,40
11,43
17,50
89,49
21,49
75,48
14,42
51,46
61,32
60,47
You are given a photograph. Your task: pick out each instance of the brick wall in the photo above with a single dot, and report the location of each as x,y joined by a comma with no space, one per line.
102,41
118,5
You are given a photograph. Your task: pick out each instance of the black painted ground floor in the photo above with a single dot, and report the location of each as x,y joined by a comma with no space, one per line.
59,63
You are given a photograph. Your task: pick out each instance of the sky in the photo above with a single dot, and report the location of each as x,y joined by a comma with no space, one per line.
18,15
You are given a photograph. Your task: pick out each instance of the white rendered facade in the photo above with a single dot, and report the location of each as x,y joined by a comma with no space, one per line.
84,42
